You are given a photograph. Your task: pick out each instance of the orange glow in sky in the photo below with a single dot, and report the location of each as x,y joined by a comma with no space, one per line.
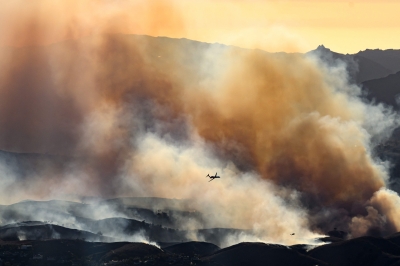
297,25
272,25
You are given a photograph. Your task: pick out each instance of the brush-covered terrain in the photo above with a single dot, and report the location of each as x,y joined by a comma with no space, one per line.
145,231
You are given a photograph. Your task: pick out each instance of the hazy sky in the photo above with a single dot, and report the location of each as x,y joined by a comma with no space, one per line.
343,26
273,25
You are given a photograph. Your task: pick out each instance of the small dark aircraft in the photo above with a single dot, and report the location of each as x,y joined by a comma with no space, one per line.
212,177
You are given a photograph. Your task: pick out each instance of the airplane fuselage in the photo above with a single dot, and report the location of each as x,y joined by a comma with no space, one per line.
212,177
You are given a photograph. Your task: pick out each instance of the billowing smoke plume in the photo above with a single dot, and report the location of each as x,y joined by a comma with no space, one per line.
131,115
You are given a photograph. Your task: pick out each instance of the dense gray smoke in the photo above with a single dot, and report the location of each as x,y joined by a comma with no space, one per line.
127,115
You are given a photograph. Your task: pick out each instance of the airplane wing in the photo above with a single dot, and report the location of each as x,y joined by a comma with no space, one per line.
211,179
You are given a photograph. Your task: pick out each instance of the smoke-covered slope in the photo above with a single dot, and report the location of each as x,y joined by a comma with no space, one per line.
369,69
384,90
164,212
387,91
390,58
362,66
108,220
37,231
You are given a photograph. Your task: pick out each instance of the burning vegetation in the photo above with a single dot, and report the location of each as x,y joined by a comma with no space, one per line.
100,114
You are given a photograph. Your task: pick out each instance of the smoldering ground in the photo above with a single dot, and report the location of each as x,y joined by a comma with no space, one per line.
144,116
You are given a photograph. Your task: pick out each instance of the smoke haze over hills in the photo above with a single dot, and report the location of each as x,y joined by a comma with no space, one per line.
133,115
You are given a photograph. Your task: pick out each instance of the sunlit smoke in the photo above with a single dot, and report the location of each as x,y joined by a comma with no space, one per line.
129,115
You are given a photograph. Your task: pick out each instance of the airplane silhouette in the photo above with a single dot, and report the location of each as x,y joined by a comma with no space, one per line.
212,177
